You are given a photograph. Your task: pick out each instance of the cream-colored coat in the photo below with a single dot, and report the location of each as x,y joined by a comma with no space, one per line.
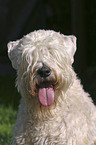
71,119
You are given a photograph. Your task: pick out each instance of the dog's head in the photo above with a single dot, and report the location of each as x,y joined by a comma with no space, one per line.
43,61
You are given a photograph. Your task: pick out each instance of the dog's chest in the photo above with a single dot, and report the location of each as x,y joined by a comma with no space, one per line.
47,132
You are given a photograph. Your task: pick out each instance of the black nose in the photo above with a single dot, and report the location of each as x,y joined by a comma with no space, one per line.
44,71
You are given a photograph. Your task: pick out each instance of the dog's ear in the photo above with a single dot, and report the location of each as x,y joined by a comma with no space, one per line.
70,44
13,54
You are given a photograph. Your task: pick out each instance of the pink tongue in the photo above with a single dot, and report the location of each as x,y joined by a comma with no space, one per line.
46,94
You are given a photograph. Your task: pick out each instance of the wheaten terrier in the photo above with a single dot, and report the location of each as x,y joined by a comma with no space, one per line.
54,109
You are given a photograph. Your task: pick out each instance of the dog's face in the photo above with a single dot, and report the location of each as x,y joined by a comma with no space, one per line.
43,62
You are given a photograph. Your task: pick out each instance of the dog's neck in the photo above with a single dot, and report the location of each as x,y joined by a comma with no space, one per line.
37,111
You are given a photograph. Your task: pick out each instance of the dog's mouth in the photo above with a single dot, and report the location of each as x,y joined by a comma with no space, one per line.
46,93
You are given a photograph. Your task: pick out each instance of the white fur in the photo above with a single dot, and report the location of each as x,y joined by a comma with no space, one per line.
71,120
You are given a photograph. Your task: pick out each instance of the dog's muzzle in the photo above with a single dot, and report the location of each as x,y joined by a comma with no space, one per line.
46,91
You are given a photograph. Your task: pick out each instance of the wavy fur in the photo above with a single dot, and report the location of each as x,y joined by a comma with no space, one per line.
71,120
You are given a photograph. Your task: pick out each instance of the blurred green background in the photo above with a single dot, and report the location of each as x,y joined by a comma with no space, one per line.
17,18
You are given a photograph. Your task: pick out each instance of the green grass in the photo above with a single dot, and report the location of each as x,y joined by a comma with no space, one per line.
7,120
9,100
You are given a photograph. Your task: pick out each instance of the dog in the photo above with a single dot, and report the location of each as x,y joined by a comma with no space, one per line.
54,108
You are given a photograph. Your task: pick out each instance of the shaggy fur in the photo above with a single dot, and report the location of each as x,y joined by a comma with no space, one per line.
69,118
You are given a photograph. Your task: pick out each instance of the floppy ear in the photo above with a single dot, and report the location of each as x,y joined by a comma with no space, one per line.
70,44
13,53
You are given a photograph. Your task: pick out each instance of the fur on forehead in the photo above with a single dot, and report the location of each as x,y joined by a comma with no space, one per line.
66,45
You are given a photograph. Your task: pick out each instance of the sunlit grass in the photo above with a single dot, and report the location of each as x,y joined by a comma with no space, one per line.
7,120
9,100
